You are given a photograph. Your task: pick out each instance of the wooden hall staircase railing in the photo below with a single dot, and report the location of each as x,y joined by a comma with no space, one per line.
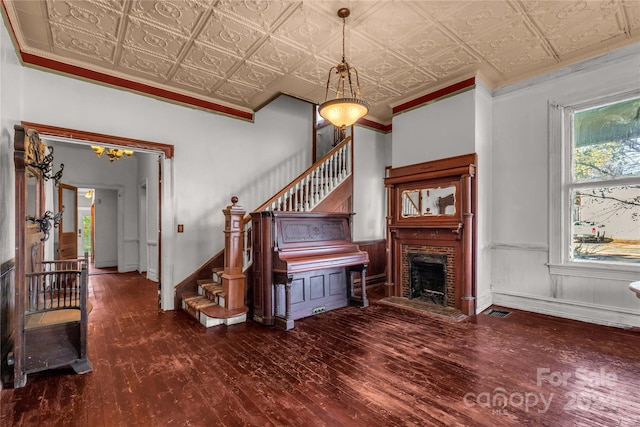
325,186
311,190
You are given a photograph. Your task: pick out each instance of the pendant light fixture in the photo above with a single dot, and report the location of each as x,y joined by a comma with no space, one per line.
347,106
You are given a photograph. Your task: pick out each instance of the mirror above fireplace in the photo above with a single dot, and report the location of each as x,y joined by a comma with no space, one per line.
430,201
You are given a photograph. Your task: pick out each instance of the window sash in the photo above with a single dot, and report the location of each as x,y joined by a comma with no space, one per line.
561,184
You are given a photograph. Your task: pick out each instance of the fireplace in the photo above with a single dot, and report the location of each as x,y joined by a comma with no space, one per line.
428,278
431,232
429,274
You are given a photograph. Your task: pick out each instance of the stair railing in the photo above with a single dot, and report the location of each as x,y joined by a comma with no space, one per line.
305,192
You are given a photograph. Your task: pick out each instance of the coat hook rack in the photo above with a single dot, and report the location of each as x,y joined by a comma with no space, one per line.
38,160
46,165
47,222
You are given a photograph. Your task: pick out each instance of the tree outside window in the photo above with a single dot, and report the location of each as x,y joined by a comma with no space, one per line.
604,184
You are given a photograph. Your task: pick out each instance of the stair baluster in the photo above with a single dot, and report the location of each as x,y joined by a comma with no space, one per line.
309,189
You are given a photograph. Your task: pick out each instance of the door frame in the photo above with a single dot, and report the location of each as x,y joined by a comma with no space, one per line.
166,205
119,217
143,234
61,228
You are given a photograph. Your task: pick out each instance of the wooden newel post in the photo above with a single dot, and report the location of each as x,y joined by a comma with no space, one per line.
233,280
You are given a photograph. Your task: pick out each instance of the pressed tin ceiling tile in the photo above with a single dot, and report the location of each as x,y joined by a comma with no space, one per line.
87,16
243,53
178,16
210,59
279,55
156,40
143,63
81,45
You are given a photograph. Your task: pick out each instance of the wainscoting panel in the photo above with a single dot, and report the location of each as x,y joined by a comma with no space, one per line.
7,312
377,260
521,279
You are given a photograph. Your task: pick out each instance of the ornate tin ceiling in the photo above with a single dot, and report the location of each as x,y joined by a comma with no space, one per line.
241,54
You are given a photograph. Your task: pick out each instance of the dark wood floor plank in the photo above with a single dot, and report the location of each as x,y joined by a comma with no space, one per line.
379,366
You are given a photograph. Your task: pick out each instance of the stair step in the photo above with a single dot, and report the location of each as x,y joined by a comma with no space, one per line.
219,312
216,315
213,288
209,314
191,302
214,292
198,303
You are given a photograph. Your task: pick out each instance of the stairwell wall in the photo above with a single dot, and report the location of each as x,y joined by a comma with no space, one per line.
370,157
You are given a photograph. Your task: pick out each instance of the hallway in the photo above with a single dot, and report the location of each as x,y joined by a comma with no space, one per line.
379,366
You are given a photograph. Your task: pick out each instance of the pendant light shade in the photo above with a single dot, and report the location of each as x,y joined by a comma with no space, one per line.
347,106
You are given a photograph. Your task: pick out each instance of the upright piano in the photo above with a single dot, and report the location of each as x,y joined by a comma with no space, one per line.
304,263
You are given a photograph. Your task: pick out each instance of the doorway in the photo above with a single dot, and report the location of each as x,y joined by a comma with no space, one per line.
160,183
85,222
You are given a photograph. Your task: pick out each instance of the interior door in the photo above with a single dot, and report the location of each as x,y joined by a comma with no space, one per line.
93,230
68,228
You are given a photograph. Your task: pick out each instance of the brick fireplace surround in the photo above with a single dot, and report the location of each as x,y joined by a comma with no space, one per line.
422,232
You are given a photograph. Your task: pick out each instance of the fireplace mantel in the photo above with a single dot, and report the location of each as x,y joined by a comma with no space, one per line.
431,209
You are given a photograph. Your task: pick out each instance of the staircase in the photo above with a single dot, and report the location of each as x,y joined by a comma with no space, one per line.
208,305
219,300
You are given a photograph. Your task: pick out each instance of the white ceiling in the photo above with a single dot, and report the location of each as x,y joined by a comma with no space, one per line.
241,54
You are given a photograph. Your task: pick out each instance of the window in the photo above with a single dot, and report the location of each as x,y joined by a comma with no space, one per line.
595,188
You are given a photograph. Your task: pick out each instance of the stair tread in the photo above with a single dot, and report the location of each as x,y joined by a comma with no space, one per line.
219,312
214,288
190,295
206,282
200,302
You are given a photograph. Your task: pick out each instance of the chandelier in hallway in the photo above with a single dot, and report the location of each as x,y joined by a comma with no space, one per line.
112,153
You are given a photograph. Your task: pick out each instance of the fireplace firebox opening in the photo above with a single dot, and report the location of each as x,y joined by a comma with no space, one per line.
428,278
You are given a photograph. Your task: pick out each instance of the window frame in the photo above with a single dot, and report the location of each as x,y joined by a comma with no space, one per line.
561,185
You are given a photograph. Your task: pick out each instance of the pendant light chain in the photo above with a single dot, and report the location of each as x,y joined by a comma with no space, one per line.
344,23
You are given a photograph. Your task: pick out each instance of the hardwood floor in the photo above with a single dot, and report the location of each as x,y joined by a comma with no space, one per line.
379,366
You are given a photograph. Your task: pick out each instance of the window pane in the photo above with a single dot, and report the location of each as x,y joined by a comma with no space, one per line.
606,224
606,142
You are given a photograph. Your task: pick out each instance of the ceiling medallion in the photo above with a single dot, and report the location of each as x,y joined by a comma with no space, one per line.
347,106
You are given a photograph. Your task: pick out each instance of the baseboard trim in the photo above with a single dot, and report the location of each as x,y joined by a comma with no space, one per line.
106,264
130,267
484,301
584,312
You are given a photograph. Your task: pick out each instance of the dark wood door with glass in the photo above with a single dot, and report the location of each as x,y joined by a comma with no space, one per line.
68,228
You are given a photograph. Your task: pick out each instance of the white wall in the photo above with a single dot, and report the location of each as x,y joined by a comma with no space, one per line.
445,128
520,197
10,111
370,159
106,228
